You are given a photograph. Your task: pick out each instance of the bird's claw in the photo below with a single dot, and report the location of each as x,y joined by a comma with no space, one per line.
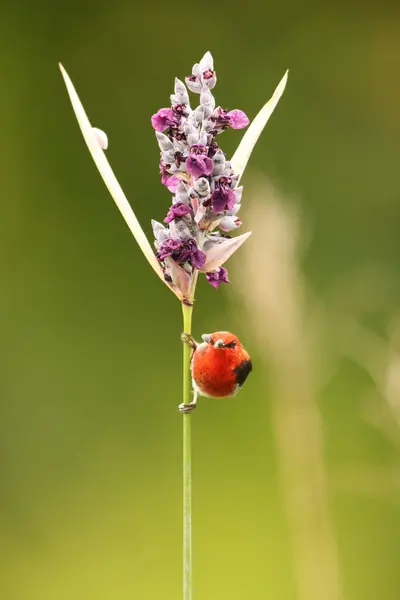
187,408
187,338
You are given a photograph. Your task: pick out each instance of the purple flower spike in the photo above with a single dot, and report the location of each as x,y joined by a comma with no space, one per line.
223,197
198,163
237,119
203,180
177,211
215,278
163,119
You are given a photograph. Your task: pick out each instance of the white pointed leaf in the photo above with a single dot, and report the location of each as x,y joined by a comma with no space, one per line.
245,148
207,62
221,250
109,178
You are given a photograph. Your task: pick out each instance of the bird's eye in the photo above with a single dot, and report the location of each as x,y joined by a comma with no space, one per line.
231,344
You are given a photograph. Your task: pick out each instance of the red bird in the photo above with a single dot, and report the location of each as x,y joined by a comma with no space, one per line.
220,366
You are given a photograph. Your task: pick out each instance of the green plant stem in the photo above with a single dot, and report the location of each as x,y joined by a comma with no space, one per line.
187,462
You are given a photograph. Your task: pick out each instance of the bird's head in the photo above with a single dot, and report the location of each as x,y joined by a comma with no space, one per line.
222,340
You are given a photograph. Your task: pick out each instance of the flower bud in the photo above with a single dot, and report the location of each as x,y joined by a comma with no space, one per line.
219,163
229,223
202,187
181,194
181,96
101,137
238,194
164,142
179,230
207,99
161,233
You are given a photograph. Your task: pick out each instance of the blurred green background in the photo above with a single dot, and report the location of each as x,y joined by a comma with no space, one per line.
90,487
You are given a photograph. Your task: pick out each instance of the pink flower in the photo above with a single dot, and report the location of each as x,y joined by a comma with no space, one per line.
172,183
177,211
163,119
215,278
223,197
237,119
198,163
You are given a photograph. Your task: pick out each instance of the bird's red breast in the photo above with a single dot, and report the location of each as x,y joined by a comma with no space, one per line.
220,365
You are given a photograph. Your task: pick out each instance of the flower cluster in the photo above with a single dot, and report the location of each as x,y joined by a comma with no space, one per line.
205,188
205,185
